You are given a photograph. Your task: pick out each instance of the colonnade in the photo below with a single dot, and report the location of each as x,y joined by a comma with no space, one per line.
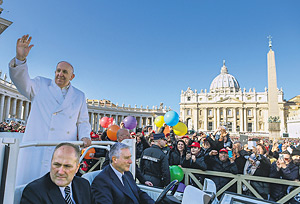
11,107
142,121
238,117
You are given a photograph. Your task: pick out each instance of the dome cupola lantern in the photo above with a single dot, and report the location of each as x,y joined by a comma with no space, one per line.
224,82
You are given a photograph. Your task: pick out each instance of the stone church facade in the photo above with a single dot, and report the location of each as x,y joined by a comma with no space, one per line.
226,104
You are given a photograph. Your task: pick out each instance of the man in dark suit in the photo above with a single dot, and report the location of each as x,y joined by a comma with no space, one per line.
60,185
115,184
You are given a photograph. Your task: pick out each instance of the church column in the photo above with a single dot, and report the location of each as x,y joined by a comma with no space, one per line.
13,107
153,124
183,115
92,120
218,117
26,110
205,119
117,119
255,120
97,123
1,107
141,122
19,109
225,116
241,120
245,120
7,107
234,120
215,119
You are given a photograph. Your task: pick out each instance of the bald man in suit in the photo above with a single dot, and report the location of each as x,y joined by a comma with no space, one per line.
60,185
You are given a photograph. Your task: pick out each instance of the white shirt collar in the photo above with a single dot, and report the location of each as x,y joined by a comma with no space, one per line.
119,174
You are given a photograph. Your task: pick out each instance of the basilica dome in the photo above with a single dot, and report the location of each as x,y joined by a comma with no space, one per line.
224,82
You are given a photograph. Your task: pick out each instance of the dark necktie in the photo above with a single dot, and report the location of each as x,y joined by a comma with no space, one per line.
129,190
68,195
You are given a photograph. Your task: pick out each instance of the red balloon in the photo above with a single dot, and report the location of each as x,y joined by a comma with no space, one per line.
104,122
112,132
111,120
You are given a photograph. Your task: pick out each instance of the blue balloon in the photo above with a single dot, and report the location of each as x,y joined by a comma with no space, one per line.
171,118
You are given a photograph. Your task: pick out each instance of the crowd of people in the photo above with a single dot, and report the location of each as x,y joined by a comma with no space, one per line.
216,151
12,127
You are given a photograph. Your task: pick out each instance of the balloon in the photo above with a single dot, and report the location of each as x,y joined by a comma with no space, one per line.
171,118
180,129
87,155
104,122
110,121
176,173
112,132
130,122
159,121
167,130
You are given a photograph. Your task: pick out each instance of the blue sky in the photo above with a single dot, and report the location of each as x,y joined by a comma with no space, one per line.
146,51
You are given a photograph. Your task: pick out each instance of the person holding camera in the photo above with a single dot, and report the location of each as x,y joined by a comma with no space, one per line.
224,140
195,160
258,164
284,168
221,163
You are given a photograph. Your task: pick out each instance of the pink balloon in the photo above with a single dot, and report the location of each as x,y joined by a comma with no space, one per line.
104,122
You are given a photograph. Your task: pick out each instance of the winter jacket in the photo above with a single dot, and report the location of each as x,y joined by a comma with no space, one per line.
214,164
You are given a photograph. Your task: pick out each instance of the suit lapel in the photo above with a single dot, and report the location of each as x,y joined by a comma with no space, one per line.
56,92
117,182
132,186
54,193
67,101
76,192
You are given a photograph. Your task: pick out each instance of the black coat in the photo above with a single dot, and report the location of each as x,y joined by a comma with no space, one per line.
108,189
291,172
139,150
175,158
214,164
154,163
198,164
240,161
43,190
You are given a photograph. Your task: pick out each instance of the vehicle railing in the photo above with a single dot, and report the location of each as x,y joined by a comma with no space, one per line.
241,179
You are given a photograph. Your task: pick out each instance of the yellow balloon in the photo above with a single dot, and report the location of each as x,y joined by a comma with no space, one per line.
180,129
159,121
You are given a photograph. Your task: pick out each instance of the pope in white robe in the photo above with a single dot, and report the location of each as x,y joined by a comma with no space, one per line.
58,112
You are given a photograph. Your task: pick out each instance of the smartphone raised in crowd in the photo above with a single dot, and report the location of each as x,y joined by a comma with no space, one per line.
229,153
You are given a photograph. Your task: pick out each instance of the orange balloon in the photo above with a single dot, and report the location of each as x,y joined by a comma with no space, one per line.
87,156
112,132
167,130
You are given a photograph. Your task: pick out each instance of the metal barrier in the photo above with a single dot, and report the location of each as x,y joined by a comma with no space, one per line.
242,179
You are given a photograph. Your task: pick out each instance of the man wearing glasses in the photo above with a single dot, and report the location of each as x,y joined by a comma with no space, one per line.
284,168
